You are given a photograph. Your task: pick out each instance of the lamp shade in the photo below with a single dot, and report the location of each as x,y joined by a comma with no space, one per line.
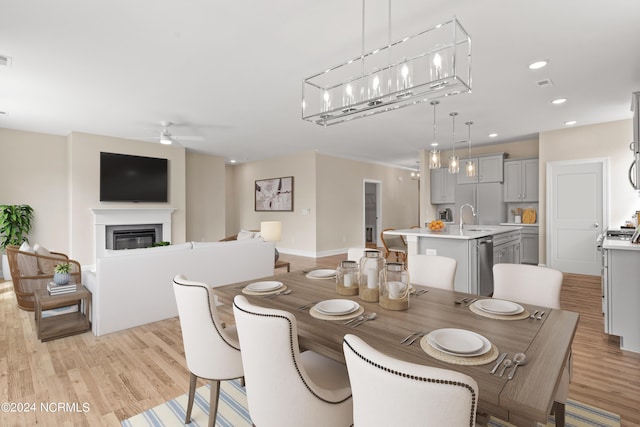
271,231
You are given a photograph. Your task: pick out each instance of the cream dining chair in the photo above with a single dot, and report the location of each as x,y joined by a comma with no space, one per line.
531,284
432,270
284,386
354,254
392,392
212,351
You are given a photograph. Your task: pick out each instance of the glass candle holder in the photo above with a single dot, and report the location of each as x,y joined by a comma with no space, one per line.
370,266
394,287
347,278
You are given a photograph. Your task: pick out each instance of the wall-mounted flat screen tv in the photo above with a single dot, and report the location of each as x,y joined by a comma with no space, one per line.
127,178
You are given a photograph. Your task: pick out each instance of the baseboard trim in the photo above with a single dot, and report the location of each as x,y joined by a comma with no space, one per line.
313,254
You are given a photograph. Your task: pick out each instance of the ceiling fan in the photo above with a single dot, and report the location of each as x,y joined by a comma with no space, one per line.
167,138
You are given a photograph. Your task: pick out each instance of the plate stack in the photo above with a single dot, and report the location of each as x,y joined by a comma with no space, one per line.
336,309
499,309
458,342
55,289
263,288
322,274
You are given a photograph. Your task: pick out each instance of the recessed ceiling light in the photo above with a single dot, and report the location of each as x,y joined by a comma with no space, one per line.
232,161
538,64
493,135
570,123
559,101
434,144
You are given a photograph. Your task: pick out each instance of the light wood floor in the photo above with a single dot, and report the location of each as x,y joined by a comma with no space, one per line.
122,374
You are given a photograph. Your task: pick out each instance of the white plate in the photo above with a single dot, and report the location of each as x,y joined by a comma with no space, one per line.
499,306
485,344
323,273
266,286
337,307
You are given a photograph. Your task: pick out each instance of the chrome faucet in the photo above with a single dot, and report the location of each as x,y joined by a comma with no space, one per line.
473,211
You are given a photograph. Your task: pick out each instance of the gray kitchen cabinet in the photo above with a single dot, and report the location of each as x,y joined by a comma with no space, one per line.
521,180
443,185
529,245
506,248
489,169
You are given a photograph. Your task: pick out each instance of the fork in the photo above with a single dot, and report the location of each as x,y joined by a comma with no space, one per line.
305,306
421,334
409,337
419,292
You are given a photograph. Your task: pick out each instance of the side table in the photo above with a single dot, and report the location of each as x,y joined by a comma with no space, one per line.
62,325
281,264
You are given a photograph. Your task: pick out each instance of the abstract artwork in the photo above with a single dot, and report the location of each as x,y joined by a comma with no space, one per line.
275,194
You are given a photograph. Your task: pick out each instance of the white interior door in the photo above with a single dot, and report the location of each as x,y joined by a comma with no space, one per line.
575,213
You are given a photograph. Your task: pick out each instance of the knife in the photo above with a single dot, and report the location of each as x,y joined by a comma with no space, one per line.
498,362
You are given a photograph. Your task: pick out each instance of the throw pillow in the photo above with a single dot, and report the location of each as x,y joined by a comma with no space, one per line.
46,266
244,234
28,265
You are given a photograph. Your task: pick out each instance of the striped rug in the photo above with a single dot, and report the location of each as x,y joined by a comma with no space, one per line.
233,412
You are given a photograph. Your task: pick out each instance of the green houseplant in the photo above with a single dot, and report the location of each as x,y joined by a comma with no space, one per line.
15,225
61,273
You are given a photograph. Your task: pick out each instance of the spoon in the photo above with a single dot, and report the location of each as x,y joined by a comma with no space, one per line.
369,317
518,359
505,365
535,313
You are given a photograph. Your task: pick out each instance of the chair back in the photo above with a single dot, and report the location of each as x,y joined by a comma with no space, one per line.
432,270
392,392
211,351
278,385
527,284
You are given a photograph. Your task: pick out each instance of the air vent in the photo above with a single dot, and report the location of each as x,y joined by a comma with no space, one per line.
5,61
545,83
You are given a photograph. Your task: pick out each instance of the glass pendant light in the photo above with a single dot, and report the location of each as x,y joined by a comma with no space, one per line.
454,161
471,165
434,154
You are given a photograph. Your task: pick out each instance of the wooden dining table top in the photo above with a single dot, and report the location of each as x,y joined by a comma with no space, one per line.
524,400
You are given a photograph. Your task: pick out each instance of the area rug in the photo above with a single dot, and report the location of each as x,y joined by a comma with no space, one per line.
233,412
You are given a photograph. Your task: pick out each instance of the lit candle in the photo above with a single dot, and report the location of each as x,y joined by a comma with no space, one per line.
348,280
372,278
437,66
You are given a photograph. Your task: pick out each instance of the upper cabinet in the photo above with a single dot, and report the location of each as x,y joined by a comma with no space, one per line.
443,185
521,180
489,169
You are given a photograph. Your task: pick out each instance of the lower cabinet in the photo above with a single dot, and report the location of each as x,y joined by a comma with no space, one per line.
529,245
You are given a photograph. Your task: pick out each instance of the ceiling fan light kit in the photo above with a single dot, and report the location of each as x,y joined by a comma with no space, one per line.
431,64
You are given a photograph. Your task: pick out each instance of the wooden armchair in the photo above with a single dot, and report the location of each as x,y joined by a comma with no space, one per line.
31,271
394,244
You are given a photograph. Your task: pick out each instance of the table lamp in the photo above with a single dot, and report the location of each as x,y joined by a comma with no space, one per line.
271,231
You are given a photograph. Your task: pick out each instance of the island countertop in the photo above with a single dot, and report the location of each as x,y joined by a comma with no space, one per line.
452,231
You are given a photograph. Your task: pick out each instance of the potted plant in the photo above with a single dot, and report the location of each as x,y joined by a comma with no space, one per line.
61,274
15,225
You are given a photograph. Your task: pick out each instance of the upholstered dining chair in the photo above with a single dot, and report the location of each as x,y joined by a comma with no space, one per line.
392,392
212,351
432,270
532,284
394,244
284,386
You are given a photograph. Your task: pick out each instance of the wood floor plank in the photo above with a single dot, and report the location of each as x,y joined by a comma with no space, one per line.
121,374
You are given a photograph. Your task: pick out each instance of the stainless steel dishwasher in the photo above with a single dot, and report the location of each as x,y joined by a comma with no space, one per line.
485,266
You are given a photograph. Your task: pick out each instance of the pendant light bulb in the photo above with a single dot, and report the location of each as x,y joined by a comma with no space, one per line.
471,164
454,162
434,154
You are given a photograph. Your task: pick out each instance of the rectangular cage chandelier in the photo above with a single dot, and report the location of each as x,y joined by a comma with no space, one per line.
431,64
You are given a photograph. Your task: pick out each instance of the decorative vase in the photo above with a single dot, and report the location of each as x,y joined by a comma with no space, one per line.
61,278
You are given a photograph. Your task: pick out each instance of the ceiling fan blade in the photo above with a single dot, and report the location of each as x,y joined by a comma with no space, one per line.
188,138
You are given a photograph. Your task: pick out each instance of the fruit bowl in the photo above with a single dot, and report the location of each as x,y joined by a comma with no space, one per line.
436,225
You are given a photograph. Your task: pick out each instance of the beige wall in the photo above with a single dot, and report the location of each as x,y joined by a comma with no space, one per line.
84,191
341,195
604,140
205,201
34,172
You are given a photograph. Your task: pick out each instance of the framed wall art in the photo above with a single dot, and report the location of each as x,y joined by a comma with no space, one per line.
274,194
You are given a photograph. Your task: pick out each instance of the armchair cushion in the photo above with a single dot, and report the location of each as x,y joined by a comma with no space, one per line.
46,265
28,265
244,234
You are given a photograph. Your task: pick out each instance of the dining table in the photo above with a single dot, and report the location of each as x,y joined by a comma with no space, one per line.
526,399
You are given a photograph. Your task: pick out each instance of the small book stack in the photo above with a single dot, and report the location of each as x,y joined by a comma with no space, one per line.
55,289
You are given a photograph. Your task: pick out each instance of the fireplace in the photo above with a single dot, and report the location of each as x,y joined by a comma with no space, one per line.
136,219
132,236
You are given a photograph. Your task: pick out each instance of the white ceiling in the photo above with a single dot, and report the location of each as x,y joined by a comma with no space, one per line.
231,71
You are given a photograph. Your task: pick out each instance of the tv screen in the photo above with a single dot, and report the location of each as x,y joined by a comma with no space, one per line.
127,178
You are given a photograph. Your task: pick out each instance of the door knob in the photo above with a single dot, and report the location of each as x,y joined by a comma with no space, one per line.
596,225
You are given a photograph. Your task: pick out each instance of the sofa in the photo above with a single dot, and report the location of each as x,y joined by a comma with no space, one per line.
134,287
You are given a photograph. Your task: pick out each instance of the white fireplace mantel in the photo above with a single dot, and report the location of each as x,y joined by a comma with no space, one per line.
126,216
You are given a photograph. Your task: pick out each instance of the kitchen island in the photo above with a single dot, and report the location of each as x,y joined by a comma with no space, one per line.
473,247
621,291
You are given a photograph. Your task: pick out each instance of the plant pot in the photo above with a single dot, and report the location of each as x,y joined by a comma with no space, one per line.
61,278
